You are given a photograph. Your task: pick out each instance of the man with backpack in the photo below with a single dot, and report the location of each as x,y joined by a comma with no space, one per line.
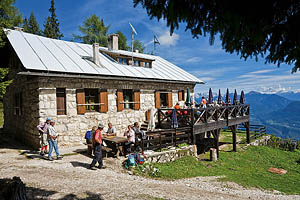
97,143
89,139
43,130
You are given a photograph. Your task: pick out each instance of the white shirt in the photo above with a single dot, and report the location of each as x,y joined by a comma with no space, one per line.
52,131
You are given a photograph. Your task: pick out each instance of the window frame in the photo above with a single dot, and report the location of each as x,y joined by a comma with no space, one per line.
18,103
61,92
130,104
95,106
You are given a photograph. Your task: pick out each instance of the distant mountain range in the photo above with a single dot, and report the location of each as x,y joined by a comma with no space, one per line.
280,112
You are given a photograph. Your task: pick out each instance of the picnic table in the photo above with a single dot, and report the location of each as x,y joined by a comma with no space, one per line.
115,143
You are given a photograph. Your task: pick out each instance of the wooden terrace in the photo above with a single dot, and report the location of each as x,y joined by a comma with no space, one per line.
196,125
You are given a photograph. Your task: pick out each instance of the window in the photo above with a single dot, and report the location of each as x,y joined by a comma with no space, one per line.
163,99
147,64
61,101
181,95
18,103
128,97
91,99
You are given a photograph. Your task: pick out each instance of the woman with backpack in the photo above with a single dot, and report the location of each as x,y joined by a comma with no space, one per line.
43,130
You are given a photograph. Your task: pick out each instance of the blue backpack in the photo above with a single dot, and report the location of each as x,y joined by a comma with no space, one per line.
130,161
88,135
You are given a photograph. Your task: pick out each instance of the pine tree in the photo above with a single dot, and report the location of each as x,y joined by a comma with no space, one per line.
138,45
26,26
9,17
122,41
52,25
93,30
31,25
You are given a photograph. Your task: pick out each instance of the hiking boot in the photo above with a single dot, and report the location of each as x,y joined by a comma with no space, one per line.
103,167
59,157
93,168
50,159
42,153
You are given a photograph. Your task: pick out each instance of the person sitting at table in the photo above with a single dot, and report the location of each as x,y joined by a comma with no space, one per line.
130,134
111,131
137,131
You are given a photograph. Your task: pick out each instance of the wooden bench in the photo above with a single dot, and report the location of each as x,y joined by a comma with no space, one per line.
105,151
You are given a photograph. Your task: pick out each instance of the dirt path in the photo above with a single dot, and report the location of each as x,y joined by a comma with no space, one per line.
70,179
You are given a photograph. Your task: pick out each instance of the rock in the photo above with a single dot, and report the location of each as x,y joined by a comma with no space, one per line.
277,170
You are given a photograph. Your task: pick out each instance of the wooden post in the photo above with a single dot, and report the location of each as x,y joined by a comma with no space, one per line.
216,135
158,115
160,141
233,130
247,124
192,127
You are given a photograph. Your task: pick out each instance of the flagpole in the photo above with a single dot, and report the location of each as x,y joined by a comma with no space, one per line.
132,47
154,44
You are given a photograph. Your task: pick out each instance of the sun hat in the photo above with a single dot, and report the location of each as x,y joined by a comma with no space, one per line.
100,125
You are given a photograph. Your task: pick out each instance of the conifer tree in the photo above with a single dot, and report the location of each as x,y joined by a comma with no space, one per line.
138,45
122,41
9,17
31,25
93,30
25,25
52,25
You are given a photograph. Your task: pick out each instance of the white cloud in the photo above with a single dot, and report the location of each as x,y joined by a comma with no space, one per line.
206,79
166,40
194,60
263,71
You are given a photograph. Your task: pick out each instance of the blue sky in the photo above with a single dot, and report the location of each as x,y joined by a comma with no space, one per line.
220,70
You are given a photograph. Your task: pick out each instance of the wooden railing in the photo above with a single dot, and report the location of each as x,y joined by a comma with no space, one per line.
159,139
190,117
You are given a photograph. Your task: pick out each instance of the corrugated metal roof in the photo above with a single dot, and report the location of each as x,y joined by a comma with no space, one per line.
45,54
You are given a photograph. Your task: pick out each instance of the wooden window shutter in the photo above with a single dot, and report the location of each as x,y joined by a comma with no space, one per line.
103,96
180,95
157,99
61,101
170,101
80,96
137,98
120,105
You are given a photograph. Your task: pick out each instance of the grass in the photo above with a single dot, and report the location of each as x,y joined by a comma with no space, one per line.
248,168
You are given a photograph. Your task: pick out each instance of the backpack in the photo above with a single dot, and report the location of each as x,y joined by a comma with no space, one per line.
130,161
139,159
88,135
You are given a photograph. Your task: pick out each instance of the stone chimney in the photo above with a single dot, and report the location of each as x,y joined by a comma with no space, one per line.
95,54
113,42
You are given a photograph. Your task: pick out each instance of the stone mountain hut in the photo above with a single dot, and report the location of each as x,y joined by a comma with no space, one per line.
78,85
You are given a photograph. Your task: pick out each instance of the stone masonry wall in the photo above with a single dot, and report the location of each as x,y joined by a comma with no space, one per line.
72,127
22,127
39,102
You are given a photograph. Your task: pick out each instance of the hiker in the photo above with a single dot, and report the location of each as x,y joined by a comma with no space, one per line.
43,130
89,140
97,143
203,102
137,131
111,131
130,134
53,137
